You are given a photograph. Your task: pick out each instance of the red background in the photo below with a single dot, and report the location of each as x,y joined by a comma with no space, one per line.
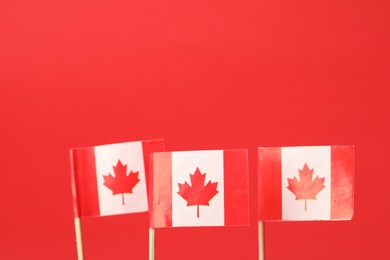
201,74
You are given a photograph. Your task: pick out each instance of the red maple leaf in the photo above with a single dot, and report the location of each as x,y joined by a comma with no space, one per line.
306,188
198,194
121,183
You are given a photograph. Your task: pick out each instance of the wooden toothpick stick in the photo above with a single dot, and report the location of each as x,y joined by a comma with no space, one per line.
261,241
79,239
152,238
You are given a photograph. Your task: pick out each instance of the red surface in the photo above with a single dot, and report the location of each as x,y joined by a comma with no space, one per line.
202,75
342,182
236,174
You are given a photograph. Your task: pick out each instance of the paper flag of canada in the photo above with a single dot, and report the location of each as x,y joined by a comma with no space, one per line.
111,179
199,188
306,183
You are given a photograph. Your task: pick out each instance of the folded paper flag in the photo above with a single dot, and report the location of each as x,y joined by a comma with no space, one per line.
199,188
306,183
111,179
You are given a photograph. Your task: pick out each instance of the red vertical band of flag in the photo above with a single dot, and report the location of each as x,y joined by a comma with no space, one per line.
161,205
84,185
270,183
342,182
236,187
149,147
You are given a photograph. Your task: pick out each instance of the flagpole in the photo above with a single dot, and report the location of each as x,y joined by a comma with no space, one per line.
152,241
261,241
79,239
